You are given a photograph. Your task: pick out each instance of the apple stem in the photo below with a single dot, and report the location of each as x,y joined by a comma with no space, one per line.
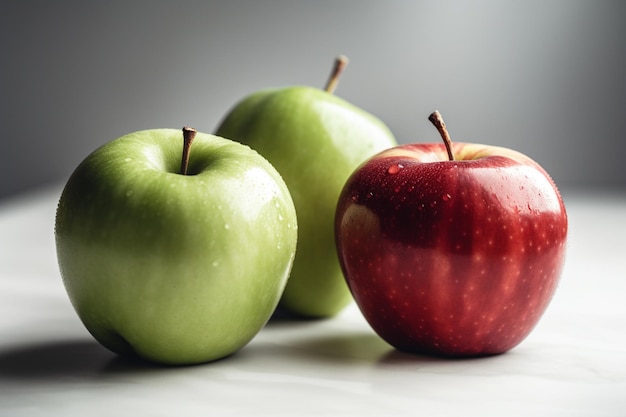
341,62
436,119
189,134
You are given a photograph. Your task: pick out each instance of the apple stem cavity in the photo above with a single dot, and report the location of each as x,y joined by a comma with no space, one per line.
436,119
341,62
189,134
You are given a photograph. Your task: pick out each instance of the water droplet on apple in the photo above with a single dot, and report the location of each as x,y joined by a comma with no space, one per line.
395,168
446,197
280,217
355,198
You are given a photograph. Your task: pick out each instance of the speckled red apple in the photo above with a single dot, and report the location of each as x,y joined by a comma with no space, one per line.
451,249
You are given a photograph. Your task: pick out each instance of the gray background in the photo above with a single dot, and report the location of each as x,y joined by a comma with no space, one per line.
544,77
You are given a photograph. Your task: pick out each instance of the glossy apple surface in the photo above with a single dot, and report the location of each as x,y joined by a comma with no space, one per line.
315,140
178,269
452,258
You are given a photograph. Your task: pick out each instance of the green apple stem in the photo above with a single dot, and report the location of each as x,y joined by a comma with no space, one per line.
341,62
189,134
436,119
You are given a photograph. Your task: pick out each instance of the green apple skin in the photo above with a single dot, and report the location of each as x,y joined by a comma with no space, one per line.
315,140
178,269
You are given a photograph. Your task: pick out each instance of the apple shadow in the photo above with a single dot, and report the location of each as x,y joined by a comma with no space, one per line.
58,360
368,348
403,359
284,316
353,348
67,360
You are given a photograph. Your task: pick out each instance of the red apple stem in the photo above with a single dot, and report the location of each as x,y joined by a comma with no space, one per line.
436,119
341,62
189,134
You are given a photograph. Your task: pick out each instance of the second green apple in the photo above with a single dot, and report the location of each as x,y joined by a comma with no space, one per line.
315,140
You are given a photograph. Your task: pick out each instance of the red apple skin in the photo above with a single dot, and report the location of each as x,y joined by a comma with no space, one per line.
451,258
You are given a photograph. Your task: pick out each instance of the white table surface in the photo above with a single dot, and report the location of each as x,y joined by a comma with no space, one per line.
573,364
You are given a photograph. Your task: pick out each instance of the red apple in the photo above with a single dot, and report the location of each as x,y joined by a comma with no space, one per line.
451,249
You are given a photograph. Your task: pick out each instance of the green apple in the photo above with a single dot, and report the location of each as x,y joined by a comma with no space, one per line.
175,268
315,140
